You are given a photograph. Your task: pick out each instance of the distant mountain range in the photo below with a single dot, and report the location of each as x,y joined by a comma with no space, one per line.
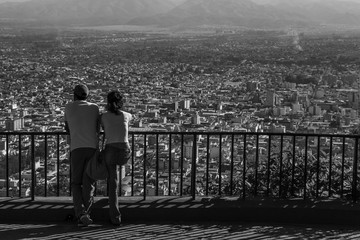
87,12
249,13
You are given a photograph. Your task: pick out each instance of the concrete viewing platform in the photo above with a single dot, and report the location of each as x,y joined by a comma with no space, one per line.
183,218
135,209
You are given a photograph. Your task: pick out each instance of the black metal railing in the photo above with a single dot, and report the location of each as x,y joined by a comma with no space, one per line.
243,164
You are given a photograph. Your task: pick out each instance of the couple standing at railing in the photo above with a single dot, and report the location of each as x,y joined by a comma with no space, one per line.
83,121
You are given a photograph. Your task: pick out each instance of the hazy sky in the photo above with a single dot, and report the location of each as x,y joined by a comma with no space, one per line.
1,1
173,0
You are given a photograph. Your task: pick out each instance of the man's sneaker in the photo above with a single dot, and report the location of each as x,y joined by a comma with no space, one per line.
116,221
84,220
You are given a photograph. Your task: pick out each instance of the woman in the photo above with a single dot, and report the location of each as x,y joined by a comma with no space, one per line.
115,123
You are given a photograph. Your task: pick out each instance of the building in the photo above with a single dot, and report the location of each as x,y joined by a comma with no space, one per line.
189,149
14,124
184,104
252,86
196,118
272,99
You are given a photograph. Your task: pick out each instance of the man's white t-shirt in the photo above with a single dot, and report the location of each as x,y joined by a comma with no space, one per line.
82,118
116,127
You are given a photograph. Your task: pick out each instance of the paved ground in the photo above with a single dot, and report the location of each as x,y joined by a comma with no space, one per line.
183,219
181,231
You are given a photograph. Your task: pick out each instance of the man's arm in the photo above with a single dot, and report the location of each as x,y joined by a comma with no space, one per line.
67,127
98,124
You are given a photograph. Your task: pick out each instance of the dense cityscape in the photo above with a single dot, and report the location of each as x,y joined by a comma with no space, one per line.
213,80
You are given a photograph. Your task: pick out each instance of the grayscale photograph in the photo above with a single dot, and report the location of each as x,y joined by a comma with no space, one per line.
179,119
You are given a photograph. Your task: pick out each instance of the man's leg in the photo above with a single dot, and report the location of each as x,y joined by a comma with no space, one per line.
88,187
77,167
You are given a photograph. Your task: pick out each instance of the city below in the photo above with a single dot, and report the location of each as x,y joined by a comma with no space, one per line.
212,79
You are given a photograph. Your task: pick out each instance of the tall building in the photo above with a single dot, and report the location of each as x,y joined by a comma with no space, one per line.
295,96
252,86
196,118
353,98
2,145
188,150
14,124
272,99
172,106
184,104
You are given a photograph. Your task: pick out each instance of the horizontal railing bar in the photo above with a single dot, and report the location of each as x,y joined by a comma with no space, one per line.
199,133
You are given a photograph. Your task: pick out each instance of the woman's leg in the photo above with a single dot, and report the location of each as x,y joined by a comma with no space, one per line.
114,212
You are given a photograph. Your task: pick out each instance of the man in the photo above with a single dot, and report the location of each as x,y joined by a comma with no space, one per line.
82,122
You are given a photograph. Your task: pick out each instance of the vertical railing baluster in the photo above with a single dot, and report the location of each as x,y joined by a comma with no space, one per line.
193,168
244,169
7,166
144,174
256,166
207,164
342,168
70,172
170,146
318,168
220,162
33,173
45,164
268,168
157,166
132,163
182,165
355,166
58,164
305,166
330,165
293,167
281,165
20,177
232,165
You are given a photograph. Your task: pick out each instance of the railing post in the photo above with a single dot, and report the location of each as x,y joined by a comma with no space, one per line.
281,165
7,165
58,165
330,165
342,168
45,164
20,179
305,165
170,146
207,164
355,166
193,168
256,167
244,169
33,174
293,167
318,168
268,168
232,165
220,162
132,163
157,166
182,165
144,180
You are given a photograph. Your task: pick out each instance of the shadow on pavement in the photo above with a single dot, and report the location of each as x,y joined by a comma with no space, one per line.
174,230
